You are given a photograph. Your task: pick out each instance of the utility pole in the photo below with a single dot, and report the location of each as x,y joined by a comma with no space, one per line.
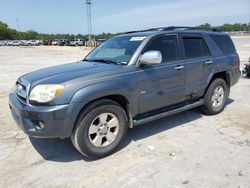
17,22
88,6
18,28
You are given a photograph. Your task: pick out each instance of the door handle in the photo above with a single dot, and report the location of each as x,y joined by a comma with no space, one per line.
179,67
208,62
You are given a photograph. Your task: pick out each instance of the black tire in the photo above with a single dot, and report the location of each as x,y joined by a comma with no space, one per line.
80,136
208,108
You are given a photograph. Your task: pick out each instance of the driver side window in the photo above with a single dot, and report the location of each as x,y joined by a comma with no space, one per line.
167,45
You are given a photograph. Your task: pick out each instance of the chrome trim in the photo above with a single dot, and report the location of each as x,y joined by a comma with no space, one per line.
26,84
151,57
23,82
208,62
179,67
27,94
21,90
18,98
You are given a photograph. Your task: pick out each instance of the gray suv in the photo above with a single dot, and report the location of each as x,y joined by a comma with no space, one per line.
127,80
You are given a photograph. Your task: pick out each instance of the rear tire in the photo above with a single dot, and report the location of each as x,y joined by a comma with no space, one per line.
215,97
100,129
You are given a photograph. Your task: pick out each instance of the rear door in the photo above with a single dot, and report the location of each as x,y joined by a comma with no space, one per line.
198,61
162,84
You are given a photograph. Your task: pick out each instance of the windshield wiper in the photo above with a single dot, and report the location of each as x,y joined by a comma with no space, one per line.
103,61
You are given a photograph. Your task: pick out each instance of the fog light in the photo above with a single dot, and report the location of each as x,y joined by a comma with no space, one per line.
39,125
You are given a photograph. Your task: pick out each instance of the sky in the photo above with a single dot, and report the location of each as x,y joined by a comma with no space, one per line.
69,16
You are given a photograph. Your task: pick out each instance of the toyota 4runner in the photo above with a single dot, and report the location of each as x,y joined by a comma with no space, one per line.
127,80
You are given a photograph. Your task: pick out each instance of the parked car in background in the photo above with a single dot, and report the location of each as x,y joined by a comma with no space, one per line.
77,42
49,42
54,42
24,42
15,43
45,42
28,42
61,42
33,42
3,43
99,41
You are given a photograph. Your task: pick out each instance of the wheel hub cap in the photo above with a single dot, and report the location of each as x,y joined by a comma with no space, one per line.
103,130
218,96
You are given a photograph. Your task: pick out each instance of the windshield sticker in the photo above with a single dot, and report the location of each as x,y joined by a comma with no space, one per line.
137,38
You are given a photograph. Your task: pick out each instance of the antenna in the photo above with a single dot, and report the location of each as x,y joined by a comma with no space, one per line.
89,24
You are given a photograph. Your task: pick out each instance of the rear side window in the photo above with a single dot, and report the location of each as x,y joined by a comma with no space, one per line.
224,42
195,47
167,45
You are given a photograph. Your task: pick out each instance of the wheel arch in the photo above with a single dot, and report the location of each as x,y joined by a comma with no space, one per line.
117,98
225,75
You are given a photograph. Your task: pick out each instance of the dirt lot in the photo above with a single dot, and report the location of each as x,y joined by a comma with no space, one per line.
184,150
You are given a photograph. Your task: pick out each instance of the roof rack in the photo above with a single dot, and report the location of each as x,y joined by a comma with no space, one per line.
190,28
171,28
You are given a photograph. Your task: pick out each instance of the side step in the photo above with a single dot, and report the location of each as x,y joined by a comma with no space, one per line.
168,113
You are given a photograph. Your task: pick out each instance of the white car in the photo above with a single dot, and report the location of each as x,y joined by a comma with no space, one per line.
76,42
2,43
54,42
15,43
32,42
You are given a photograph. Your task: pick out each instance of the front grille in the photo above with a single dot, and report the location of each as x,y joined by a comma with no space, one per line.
22,90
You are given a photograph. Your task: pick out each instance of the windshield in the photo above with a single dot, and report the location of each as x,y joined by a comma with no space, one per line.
117,50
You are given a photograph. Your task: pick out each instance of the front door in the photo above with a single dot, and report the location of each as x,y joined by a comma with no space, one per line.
162,84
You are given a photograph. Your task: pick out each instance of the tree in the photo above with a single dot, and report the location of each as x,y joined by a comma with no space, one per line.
31,34
206,26
5,32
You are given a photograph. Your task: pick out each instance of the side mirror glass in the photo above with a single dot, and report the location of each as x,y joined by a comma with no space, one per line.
151,57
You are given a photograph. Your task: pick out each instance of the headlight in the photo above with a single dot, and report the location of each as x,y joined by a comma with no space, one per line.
45,93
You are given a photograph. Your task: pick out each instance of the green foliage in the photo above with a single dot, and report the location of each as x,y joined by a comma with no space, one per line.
235,27
7,33
206,26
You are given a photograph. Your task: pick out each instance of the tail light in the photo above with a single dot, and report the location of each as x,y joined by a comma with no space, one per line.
238,61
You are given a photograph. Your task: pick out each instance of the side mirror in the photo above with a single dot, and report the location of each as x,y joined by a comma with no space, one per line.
151,57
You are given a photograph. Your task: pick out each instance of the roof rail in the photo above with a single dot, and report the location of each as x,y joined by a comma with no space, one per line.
190,28
171,28
145,30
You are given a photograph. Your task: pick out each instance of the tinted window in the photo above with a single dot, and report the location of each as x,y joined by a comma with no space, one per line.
206,51
224,42
195,47
167,45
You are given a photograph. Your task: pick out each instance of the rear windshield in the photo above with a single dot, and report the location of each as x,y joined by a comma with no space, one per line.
224,42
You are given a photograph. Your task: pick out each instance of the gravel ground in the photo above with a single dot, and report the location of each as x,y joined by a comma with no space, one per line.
184,150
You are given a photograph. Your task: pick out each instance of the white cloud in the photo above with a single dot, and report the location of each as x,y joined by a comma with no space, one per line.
189,12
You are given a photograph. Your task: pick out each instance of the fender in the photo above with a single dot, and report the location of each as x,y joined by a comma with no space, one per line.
228,76
106,88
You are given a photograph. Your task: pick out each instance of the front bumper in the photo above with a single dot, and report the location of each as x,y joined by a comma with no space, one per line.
57,121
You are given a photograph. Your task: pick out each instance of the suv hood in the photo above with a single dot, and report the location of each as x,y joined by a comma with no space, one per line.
62,73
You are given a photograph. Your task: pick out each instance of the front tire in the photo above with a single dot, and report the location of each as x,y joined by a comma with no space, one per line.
100,129
215,97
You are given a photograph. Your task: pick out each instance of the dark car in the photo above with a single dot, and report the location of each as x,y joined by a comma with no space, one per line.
127,80
61,42
45,42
